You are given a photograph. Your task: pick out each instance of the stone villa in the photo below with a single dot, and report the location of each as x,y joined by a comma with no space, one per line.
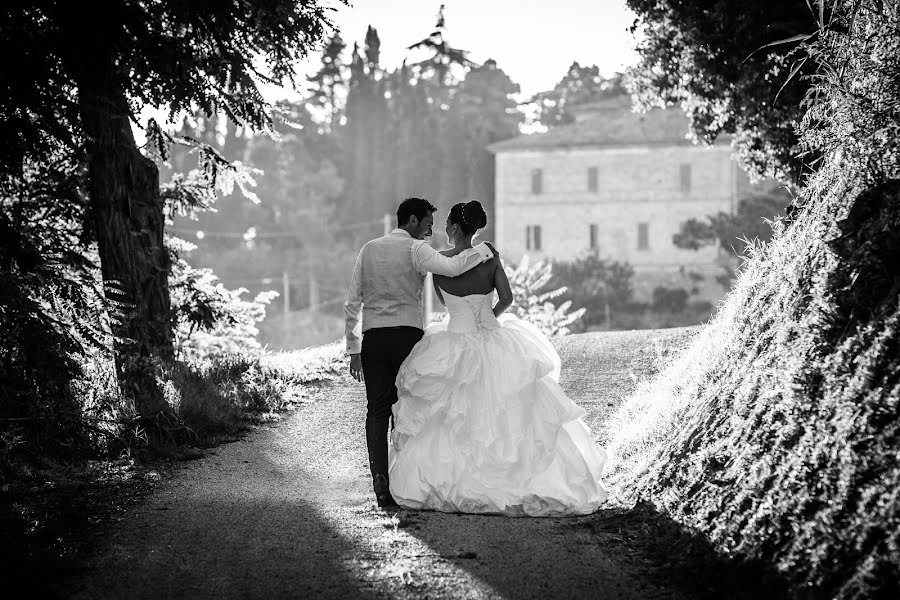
621,183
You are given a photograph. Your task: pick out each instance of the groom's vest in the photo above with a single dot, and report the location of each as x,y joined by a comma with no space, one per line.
391,285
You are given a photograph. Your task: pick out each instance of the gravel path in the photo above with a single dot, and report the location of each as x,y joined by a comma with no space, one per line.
288,513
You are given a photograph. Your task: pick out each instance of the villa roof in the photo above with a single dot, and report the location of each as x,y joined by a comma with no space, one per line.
608,123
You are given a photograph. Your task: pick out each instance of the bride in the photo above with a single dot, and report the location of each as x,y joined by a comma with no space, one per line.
481,424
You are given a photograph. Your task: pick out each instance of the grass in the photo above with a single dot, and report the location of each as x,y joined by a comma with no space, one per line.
217,400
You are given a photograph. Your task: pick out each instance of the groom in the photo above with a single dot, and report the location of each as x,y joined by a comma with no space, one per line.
387,282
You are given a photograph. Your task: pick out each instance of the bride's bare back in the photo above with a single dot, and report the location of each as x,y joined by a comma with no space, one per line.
483,279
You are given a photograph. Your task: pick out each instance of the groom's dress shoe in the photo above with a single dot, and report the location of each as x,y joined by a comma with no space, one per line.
383,492
386,501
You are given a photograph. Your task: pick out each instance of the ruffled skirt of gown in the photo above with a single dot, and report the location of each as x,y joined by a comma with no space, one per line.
482,426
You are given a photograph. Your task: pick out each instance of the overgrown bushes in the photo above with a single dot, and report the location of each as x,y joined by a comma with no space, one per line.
604,289
51,311
60,397
777,434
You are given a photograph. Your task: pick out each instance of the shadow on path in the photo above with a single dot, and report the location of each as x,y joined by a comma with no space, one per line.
685,560
660,558
247,533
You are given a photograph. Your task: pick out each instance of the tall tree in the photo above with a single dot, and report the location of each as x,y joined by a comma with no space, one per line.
438,74
724,62
100,62
443,65
487,114
328,81
357,136
408,110
297,212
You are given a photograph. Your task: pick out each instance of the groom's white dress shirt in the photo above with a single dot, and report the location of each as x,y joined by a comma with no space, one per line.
388,279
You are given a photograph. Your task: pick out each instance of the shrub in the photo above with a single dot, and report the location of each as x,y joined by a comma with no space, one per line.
52,309
670,299
210,320
215,398
529,303
594,284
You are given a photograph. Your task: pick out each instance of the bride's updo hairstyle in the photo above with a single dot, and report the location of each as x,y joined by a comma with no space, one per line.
470,216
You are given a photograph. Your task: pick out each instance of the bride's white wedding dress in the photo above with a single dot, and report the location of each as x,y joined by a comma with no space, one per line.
482,426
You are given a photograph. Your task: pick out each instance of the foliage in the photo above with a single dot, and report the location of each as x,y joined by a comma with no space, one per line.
79,81
211,321
294,228
309,364
52,307
594,283
216,397
725,65
178,55
485,113
328,81
734,232
531,304
580,85
776,434
673,299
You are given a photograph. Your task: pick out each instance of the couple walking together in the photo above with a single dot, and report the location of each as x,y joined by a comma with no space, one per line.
480,424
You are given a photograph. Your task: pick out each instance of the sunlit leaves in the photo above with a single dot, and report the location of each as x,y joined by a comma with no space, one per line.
527,281
735,70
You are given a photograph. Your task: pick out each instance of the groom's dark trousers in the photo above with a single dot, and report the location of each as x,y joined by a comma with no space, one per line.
383,351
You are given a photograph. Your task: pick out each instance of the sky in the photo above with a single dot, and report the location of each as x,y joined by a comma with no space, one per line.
534,42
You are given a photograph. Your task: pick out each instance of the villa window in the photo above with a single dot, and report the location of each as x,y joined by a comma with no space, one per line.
643,236
685,179
593,236
533,237
592,179
537,181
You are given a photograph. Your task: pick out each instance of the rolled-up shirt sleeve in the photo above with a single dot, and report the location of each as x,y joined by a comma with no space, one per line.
352,308
428,260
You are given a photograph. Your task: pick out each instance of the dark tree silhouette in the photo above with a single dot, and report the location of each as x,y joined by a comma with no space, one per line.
80,73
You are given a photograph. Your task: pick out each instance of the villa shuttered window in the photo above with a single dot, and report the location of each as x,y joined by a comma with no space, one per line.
592,179
643,240
685,179
533,237
592,236
537,181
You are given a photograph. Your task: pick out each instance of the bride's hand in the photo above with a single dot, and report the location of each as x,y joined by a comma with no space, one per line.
356,367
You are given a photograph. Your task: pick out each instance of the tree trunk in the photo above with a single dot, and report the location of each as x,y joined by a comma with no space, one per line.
124,192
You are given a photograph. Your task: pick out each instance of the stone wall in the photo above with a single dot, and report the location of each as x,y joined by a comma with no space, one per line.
635,185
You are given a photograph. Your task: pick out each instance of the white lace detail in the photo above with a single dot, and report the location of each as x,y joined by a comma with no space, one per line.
477,315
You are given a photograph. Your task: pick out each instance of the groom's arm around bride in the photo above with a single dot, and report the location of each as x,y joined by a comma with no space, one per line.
386,285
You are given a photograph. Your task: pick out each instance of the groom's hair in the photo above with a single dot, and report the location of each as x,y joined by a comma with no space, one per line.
413,206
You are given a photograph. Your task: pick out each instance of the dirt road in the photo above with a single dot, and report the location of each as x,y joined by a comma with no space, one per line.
288,513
